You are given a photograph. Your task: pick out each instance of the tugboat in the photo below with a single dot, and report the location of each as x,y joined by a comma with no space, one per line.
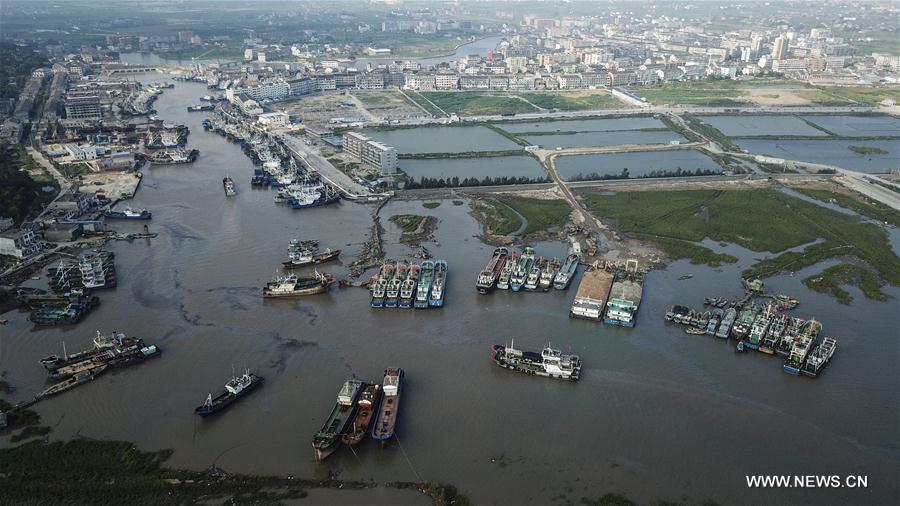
339,422
128,214
236,388
550,363
365,410
566,273
293,286
386,421
424,288
487,278
228,184
438,289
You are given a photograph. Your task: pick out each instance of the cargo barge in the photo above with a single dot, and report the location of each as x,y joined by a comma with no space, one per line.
365,411
295,286
325,442
625,296
235,388
593,293
487,278
386,420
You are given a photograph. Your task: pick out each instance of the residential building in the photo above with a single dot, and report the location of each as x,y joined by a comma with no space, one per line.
19,244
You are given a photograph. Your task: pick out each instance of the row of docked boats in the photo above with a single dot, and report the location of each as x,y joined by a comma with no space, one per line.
766,329
69,313
92,270
517,271
362,408
305,253
108,352
302,254
409,285
609,294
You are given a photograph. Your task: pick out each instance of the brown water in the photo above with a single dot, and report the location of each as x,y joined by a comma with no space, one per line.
657,414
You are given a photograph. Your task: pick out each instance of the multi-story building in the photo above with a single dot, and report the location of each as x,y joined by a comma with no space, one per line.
780,48
21,244
83,107
371,153
353,144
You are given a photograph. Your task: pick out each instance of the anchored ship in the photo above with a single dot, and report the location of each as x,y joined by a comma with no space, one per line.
303,253
520,271
386,420
727,322
773,335
807,335
128,214
392,295
438,288
365,411
712,324
820,357
424,287
74,381
487,278
506,273
760,327
114,343
66,315
593,293
549,273
566,272
91,270
235,388
408,287
325,441
625,296
534,274
294,286
379,287
550,362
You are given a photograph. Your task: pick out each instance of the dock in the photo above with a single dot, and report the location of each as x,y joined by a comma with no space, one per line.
593,293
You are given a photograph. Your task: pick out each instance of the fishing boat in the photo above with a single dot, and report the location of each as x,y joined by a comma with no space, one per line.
773,334
424,287
806,337
386,419
365,411
745,321
325,441
534,274
408,287
128,214
228,185
392,294
550,363
566,273
523,267
379,287
712,324
506,273
235,388
487,278
694,331
438,288
819,357
71,313
548,273
760,327
114,343
294,286
727,322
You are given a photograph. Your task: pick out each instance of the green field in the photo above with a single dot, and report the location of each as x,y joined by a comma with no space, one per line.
760,220
477,103
409,223
572,101
863,94
871,208
541,214
711,93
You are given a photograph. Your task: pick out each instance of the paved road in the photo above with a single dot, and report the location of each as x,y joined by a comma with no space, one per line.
313,159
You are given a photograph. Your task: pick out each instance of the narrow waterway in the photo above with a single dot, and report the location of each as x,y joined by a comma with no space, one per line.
657,415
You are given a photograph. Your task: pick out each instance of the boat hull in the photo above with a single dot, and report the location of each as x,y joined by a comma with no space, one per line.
227,400
316,259
295,293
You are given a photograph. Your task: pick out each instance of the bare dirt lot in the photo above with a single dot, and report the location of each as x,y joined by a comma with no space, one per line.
115,185
324,107
387,104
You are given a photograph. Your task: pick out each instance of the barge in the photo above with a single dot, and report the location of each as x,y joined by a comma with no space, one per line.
235,388
386,421
325,442
593,293
625,296
549,363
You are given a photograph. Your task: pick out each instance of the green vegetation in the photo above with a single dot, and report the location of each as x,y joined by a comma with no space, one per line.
426,104
677,249
499,219
21,197
430,205
511,136
75,169
679,172
760,220
16,64
409,223
541,214
864,94
867,150
830,280
477,103
455,181
115,472
873,209
710,132
771,168
571,101
709,92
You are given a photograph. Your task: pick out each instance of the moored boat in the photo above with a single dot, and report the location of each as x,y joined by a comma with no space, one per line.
392,294
294,286
424,286
520,271
78,379
408,287
506,273
365,411
128,214
566,272
386,420
548,273
625,296
487,278
819,357
325,441
533,279
438,288
379,287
